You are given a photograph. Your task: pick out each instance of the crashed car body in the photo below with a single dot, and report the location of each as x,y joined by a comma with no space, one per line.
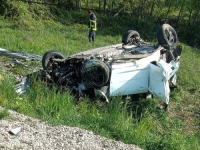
133,67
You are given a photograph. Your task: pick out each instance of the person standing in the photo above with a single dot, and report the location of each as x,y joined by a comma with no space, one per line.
92,26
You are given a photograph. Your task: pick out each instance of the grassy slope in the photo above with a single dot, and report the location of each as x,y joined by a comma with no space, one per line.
131,122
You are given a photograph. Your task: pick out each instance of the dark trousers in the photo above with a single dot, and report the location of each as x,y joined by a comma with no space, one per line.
91,36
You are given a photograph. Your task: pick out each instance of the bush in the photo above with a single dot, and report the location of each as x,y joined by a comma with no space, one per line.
3,7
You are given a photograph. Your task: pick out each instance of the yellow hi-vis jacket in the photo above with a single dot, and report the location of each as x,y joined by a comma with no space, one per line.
93,25
93,22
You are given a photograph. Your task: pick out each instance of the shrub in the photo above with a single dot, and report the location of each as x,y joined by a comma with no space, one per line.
4,113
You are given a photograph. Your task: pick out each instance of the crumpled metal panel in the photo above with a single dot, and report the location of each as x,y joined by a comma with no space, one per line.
20,55
21,87
129,80
155,57
159,78
158,83
134,79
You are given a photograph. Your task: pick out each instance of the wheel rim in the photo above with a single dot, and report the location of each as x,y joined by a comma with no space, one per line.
170,36
96,75
132,39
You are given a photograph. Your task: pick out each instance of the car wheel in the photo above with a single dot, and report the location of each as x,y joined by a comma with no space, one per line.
130,37
48,56
95,73
167,36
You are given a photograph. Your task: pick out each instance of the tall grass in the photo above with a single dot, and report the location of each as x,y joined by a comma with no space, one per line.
131,122
139,122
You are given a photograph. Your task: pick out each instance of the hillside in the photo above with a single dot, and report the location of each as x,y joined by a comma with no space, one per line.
37,29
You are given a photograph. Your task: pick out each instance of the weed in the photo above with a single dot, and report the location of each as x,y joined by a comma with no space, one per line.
4,113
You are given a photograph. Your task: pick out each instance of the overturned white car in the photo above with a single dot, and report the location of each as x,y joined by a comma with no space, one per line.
132,67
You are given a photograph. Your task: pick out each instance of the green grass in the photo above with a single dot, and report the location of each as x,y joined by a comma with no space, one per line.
139,123
3,113
67,39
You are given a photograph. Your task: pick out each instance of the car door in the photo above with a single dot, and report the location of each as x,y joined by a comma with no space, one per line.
159,76
129,79
158,83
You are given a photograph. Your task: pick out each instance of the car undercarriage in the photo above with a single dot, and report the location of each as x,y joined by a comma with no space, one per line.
131,67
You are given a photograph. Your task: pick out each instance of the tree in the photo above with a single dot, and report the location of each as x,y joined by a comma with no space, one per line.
153,7
168,4
182,2
104,7
3,7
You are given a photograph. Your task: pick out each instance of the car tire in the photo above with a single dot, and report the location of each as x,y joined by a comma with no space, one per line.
129,36
167,36
48,56
95,73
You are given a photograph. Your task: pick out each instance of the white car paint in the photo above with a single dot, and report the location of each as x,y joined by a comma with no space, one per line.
143,76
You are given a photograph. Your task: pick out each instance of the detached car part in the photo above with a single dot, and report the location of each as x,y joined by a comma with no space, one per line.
133,67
